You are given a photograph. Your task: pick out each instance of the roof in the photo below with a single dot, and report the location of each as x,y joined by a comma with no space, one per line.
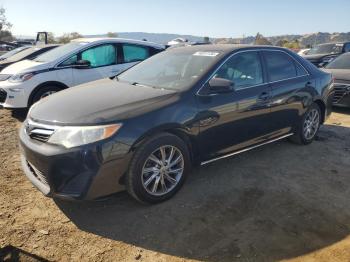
222,48
117,40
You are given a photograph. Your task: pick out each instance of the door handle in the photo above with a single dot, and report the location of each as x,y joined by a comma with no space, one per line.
264,96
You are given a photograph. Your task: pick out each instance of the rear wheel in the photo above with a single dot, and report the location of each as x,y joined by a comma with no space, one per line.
309,126
44,92
158,169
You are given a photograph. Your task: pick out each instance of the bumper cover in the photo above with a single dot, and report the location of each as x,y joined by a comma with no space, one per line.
81,173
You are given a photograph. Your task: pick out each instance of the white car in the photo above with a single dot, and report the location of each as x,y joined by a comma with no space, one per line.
303,51
80,61
177,41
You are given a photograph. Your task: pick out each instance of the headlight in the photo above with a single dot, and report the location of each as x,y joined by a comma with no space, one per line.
21,77
327,59
72,136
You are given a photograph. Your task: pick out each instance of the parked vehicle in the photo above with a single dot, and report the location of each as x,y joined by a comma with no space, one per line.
189,105
340,69
177,41
321,55
26,53
13,52
80,61
303,51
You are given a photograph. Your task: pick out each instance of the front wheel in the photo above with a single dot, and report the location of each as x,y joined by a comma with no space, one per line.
309,126
44,92
158,169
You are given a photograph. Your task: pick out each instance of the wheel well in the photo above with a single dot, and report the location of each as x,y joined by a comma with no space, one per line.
50,83
180,134
322,107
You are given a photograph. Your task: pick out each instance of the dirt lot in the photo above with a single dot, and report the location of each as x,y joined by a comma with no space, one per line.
278,202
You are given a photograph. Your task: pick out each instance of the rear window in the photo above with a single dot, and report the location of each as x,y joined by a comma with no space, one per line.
279,66
134,53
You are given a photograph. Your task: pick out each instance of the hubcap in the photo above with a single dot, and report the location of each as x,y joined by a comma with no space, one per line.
311,124
47,94
162,170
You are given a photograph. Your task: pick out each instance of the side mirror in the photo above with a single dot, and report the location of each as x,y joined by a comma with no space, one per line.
82,64
221,85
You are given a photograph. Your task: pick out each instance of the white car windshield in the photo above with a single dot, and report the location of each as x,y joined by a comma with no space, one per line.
13,52
59,52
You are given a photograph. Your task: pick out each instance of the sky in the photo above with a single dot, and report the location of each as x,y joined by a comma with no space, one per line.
213,18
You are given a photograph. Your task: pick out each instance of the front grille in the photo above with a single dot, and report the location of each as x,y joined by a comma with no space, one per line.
340,90
41,134
3,95
38,174
38,132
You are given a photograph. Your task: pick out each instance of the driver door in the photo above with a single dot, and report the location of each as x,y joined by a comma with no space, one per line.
103,60
239,119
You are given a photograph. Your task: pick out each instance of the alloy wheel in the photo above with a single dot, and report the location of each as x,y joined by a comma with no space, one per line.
311,124
162,170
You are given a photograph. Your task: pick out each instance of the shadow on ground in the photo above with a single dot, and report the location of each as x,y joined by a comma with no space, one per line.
14,254
279,201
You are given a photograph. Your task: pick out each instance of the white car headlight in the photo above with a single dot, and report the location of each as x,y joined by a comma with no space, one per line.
21,77
72,136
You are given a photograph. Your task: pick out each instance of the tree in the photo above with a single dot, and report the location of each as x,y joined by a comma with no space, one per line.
5,27
111,34
51,38
261,40
282,42
206,39
292,45
67,37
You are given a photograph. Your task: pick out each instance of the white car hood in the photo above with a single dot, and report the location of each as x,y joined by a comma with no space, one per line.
25,66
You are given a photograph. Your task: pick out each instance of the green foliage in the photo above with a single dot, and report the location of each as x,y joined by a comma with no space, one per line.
5,27
67,37
261,40
111,34
206,39
292,45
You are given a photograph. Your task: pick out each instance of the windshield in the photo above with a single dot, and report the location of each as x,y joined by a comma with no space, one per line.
341,62
14,51
24,54
171,69
326,49
59,52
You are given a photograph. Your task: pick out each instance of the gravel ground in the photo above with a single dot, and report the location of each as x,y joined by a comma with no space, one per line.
278,202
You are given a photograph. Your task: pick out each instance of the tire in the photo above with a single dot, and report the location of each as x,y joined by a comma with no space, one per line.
43,92
144,171
302,136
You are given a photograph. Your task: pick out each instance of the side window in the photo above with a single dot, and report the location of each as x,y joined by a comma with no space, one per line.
347,47
103,55
301,71
279,65
134,53
70,61
244,69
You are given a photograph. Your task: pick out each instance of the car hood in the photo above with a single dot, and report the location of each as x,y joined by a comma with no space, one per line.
339,74
25,66
100,102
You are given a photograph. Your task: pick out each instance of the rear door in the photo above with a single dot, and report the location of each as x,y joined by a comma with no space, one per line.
290,85
133,54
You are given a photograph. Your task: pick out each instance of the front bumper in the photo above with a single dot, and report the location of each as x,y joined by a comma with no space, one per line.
81,173
14,95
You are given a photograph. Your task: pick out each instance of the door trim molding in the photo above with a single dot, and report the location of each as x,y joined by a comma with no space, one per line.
245,149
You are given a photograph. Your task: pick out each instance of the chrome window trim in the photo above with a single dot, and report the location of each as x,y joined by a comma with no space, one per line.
265,83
